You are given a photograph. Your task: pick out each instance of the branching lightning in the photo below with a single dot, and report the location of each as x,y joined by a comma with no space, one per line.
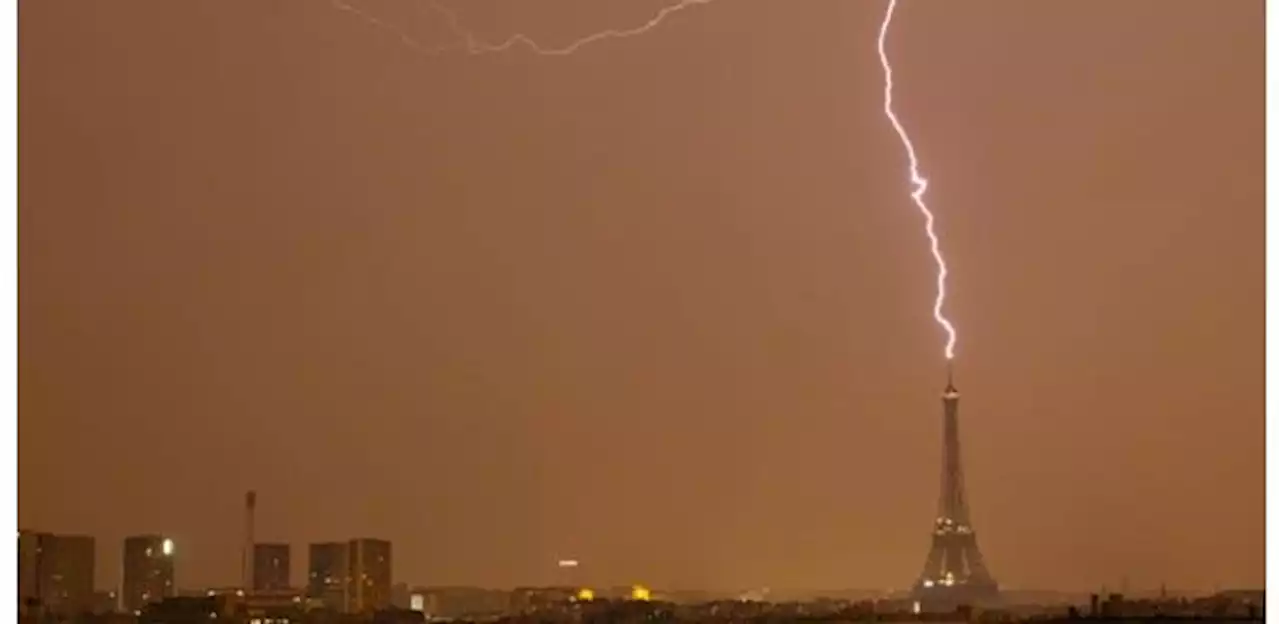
383,25
470,44
919,184
477,47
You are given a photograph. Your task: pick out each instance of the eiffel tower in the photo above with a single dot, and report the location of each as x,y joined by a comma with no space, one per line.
954,573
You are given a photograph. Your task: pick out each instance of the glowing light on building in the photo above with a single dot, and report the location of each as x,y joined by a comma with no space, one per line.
586,595
567,563
166,547
641,593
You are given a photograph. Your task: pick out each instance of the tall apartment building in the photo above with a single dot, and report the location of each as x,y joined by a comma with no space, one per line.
270,567
148,571
352,576
368,575
55,572
327,574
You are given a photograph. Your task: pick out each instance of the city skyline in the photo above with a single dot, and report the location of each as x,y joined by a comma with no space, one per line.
663,307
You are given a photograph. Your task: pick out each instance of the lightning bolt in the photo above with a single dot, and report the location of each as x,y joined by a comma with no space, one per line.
475,46
919,185
383,25
470,44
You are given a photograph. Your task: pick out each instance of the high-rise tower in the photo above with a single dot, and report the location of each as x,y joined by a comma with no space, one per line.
368,575
327,574
148,571
55,572
954,572
270,567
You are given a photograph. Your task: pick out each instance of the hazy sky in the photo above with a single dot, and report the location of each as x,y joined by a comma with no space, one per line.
663,306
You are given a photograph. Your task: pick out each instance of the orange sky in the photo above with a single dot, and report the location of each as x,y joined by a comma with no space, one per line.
663,306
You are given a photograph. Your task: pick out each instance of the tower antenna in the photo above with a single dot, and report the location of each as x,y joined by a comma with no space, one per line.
246,554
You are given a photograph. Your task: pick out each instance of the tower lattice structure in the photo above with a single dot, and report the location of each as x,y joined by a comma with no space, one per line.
954,572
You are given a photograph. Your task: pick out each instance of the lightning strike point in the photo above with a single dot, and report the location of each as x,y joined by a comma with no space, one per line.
919,185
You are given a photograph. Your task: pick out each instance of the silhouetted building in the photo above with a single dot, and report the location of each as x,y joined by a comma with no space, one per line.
461,602
535,599
270,567
55,572
273,606
368,575
398,616
327,574
183,610
67,567
28,570
101,617
954,572
148,571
